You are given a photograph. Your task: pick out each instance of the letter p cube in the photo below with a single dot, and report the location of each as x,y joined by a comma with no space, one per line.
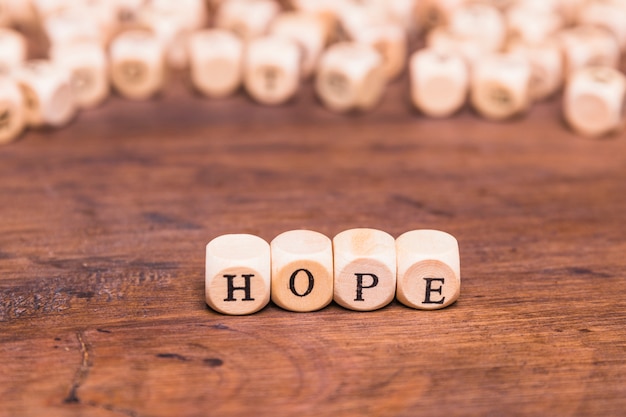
365,269
237,278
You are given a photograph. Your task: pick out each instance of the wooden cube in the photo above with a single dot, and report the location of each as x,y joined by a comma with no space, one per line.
500,86
439,82
355,17
390,40
471,49
216,62
137,64
249,19
365,269
12,50
47,93
12,111
272,69
481,22
594,99
531,26
308,31
86,64
429,272
436,13
610,15
546,66
72,25
237,274
302,270
172,23
588,46
350,76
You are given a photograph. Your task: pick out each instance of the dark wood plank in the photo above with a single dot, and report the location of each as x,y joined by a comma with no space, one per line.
103,227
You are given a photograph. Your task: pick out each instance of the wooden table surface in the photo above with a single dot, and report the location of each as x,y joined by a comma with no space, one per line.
103,226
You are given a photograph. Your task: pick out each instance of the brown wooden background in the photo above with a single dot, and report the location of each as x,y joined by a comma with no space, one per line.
103,226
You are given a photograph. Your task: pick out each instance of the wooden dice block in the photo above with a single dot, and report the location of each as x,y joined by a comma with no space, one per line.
546,66
429,272
12,111
237,274
355,17
500,86
249,19
86,64
594,99
302,270
530,26
216,62
588,46
365,269
12,50
172,23
350,76
47,93
71,25
471,49
137,67
390,40
607,14
308,31
272,69
436,13
481,22
439,82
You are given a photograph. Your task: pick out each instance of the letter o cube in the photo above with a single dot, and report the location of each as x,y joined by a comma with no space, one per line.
302,270
365,269
237,280
429,276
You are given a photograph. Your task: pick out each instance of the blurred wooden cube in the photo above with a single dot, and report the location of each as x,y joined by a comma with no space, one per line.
500,86
350,76
12,110
48,97
136,60
12,50
390,40
86,64
249,19
532,26
272,69
216,62
588,46
481,22
593,101
546,66
308,31
439,82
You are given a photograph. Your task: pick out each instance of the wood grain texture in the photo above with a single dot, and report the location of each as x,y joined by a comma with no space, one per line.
103,227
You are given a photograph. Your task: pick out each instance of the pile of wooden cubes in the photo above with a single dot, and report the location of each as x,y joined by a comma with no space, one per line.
498,55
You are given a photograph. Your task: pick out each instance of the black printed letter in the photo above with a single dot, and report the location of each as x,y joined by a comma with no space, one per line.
232,288
429,289
292,283
359,285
